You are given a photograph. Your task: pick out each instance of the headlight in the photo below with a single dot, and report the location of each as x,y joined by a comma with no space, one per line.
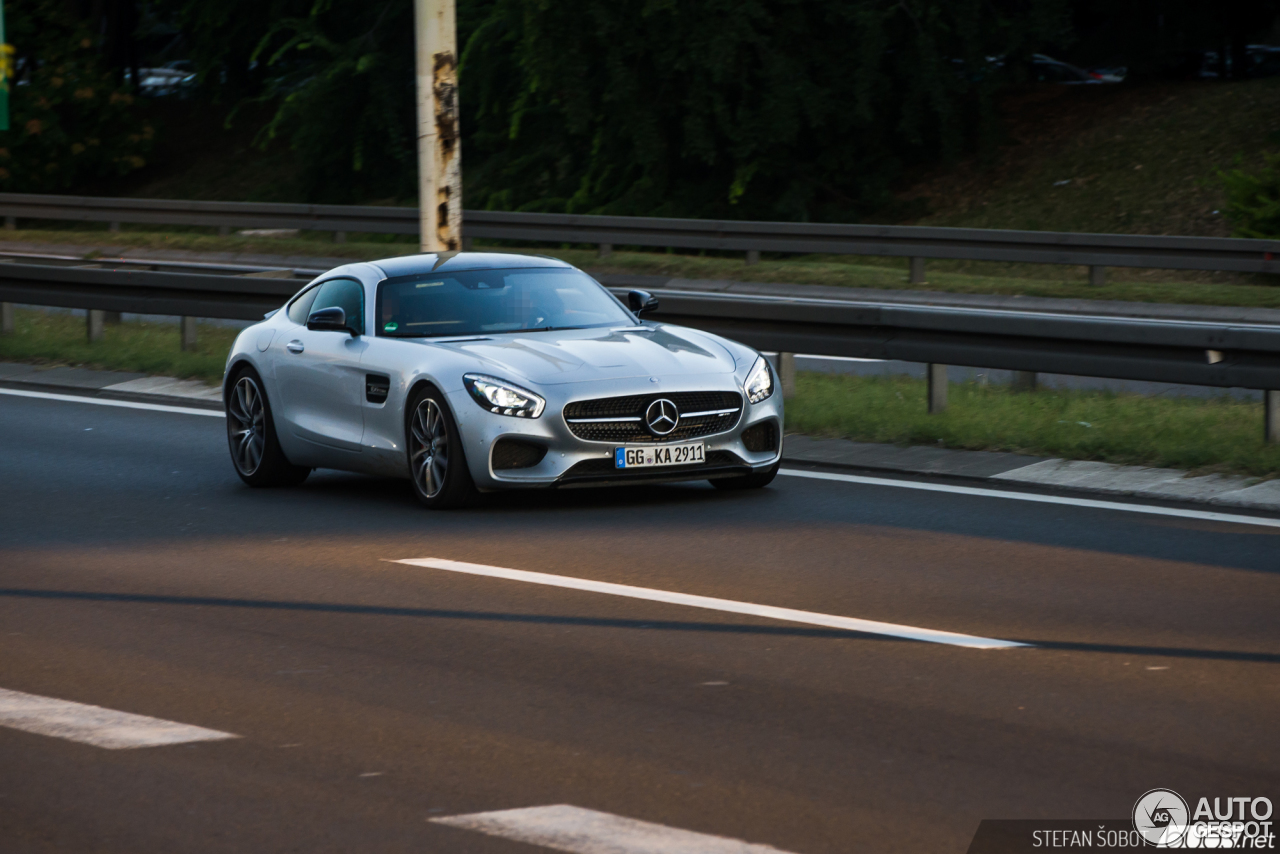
503,397
759,384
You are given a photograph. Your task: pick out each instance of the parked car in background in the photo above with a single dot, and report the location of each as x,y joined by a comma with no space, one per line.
1263,61
172,78
1046,69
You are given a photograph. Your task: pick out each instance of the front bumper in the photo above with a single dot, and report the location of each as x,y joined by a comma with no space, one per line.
573,462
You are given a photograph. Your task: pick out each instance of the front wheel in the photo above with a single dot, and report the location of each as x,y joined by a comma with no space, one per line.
437,465
251,433
748,481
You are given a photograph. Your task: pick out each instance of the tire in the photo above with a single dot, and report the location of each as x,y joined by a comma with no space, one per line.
437,462
748,481
251,435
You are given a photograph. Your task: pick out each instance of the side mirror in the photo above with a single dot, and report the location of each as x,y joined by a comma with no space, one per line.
331,319
640,301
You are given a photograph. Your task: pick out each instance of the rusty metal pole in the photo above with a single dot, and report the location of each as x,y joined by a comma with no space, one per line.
439,146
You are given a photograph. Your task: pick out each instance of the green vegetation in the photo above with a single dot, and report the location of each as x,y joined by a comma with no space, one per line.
755,109
1215,434
1218,434
1138,160
1253,199
72,121
150,348
842,271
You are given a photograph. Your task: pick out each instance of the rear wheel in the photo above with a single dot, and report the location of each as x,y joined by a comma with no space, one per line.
437,464
251,433
748,481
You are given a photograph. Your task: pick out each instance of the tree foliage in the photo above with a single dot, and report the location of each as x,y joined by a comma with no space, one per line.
1253,199
772,109
70,118
340,75
775,109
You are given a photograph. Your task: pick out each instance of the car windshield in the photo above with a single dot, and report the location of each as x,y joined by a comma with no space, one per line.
494,301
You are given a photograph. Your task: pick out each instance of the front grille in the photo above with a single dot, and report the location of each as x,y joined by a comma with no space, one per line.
516,454
633,406
605,466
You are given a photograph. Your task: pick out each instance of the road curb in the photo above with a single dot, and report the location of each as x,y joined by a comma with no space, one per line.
107,394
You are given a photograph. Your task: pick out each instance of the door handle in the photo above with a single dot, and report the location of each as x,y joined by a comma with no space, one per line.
294,346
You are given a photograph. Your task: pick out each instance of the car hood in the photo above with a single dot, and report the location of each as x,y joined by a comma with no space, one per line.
582,355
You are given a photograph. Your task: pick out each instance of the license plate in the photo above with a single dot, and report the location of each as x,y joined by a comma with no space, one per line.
662,455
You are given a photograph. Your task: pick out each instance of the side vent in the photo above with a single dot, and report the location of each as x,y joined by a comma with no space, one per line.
761,437
516,454
376,387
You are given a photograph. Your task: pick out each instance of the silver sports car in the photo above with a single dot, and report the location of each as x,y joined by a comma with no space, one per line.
469,372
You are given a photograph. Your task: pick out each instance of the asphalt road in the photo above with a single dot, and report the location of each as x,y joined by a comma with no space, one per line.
139,575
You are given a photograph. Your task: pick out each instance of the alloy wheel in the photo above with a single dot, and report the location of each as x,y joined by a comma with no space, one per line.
246,425
429,448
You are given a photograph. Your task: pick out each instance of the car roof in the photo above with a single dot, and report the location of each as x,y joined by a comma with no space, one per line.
454,262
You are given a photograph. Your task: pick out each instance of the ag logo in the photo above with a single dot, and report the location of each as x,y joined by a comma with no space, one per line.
1161,817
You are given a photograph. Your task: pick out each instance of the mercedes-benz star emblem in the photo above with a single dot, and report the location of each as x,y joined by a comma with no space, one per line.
661,417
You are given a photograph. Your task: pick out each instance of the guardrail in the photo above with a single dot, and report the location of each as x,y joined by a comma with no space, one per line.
1097,251
1210,353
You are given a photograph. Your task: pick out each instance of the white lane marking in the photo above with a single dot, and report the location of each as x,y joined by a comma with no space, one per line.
789,615
100,401
94,724
581,831
1179,512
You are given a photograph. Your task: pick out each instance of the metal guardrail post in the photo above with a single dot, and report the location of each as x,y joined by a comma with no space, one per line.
937,375
1097,276
916,274
604,250
224,230
787,374
10,223
8,323
94,324
753,256
113,226
188,327
339,237
1271,423
1023,381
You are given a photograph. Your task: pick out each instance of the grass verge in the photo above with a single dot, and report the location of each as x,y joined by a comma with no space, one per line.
151,348
1203,435
1219,434
1039,280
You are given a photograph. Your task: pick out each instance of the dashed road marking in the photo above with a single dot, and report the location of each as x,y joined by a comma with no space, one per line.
95,725
789,615
1207,515
581,831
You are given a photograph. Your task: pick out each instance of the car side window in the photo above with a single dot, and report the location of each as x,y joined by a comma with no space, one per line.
346,294
301,307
